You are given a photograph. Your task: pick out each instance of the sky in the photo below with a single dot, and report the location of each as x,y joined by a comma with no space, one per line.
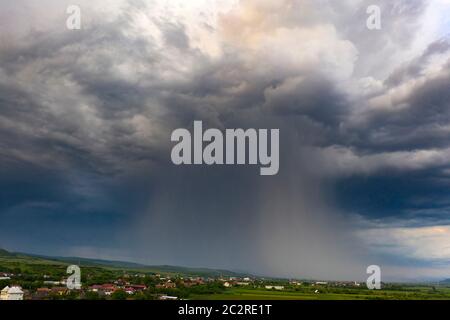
364,116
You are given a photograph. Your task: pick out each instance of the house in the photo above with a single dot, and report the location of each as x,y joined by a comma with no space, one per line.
106,289
6,275
13,293
227,284
42,293
242,283
95,288
198,281
133,288
4,293
59,290
54,283
192,282
130,290
274,287
168,298
168,285
186,284
138,287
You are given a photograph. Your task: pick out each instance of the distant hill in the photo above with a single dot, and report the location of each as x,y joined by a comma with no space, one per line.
8,259
445,282
4,253
204,272
91,262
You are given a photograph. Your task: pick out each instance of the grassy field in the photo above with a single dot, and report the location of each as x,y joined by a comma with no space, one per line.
407,293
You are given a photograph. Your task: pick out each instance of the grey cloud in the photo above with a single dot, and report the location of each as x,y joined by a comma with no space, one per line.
99,105
415,120
415,67
175,36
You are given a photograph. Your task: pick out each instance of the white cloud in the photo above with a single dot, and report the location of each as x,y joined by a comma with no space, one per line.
423,243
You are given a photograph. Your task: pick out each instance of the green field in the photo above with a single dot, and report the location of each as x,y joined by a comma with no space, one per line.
406,293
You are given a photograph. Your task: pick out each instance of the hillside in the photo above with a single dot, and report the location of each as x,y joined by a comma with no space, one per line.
10,261
4,253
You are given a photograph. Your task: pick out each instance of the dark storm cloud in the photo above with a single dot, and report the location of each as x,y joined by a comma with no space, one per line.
415,120
395,195
317,99
86,117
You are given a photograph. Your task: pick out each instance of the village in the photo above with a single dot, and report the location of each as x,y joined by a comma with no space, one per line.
146,287
137,286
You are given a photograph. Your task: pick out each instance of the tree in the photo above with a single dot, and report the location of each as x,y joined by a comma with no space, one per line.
91,295
119,295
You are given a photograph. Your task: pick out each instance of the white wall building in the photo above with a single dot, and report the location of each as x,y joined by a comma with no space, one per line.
13,293
4,293
274,287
